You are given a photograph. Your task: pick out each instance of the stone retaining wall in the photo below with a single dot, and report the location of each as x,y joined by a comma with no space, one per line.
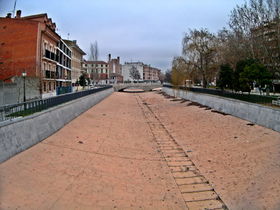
258,114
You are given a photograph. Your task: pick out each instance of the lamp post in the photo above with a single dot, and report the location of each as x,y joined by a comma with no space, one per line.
24,96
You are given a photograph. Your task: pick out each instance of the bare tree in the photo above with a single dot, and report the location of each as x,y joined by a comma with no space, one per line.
199,47
134,73
93,56
231,48
94,53
257,22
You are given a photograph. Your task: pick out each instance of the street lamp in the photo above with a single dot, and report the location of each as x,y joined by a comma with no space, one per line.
24,97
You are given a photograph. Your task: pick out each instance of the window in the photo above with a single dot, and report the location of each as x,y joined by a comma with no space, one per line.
50,86
45,87
54,86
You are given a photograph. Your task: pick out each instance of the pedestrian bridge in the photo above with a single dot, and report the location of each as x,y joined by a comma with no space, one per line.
144,86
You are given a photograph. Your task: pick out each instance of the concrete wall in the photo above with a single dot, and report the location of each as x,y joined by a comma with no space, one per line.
12,93
20,134
9,93
261,115
128,66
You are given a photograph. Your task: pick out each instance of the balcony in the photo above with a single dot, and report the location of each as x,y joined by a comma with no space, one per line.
50,55
50,74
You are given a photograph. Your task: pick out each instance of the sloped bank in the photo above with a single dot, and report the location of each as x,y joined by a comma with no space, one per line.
258,114
20,134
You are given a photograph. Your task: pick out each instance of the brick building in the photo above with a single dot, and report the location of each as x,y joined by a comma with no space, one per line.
150,73
115,70
30,44
101,72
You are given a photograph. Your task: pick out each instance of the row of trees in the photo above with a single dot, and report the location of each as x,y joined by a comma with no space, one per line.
245,54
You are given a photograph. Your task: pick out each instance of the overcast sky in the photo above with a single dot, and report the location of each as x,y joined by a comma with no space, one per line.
150,31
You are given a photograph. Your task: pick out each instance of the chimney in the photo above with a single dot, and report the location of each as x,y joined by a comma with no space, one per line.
109,57
118,58
75,41
9,15
18,14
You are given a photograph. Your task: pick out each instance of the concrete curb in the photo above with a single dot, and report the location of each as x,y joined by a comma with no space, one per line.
20,134
255,113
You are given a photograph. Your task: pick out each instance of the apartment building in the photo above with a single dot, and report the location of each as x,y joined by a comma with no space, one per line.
30,44
63,69
98,71
150,73
77,60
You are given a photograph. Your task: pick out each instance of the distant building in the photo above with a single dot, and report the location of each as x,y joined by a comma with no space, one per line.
129,67
77,60
98,71
147,72
115,70
150,73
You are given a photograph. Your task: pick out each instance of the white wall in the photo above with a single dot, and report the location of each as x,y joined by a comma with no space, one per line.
126,71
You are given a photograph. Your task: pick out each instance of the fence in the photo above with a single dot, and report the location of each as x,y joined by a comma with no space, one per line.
63,90
260,99
11,111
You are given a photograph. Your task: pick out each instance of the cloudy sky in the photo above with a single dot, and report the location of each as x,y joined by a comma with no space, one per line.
150,31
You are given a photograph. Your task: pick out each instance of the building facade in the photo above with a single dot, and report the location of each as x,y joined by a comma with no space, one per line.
115,70
63,69
77,60
151,74
98,71
30,44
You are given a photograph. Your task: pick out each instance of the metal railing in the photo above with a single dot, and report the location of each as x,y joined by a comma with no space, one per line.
276,102
260,99
11,111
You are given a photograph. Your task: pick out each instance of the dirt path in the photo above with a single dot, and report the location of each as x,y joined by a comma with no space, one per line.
118,156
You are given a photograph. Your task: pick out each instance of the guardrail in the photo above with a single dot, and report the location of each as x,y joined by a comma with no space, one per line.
276,102
11,111
260,99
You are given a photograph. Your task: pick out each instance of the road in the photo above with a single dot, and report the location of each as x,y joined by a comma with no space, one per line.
147,151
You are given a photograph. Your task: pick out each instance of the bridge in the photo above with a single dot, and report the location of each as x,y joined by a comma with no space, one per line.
143,86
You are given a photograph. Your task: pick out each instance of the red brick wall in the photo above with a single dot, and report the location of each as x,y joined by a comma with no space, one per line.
18,43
